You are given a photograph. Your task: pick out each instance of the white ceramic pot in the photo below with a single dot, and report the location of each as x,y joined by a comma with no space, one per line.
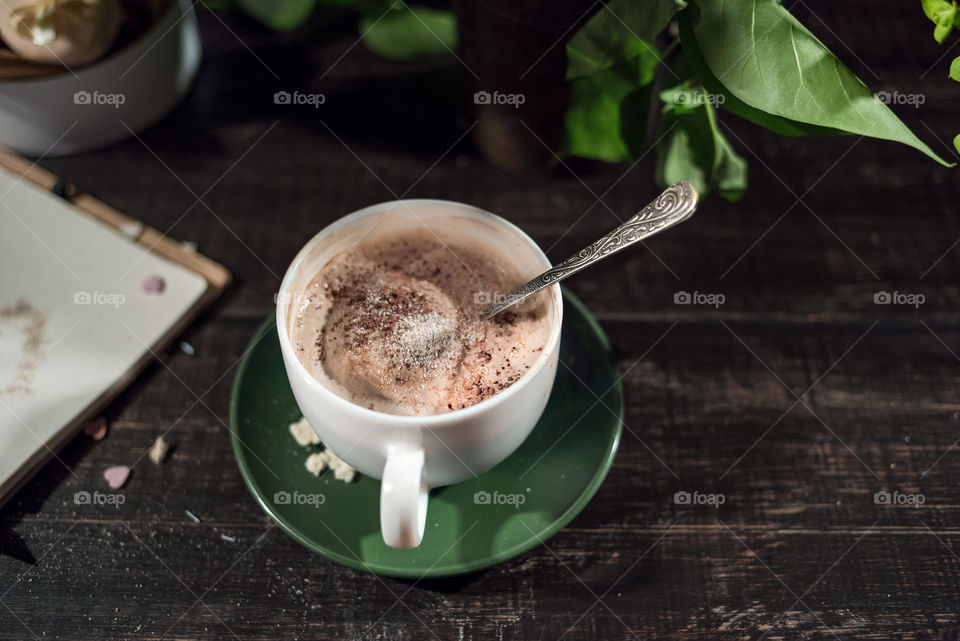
412,454
100,103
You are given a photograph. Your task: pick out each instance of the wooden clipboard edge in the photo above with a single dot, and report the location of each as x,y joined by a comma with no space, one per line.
216,275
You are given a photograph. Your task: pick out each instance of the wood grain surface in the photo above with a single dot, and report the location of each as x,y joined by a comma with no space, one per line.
798,398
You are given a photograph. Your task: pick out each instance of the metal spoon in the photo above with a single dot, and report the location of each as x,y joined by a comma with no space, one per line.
673,206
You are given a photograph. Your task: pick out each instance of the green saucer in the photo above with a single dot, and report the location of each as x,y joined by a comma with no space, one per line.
471,525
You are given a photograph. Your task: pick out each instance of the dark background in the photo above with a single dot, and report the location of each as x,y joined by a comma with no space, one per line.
799,549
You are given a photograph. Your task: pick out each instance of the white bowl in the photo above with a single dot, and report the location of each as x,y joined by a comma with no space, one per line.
101,103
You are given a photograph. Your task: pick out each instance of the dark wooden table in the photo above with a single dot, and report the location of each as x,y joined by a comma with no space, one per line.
798,398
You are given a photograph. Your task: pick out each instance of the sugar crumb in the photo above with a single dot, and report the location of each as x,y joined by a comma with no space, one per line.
303,433
159,450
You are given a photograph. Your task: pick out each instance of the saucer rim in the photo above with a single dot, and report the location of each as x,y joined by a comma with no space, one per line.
458,569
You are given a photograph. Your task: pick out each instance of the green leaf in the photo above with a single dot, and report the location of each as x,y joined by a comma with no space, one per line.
773,122
607,110
279,14
691,146
410,32
618,31
764,57
944,16
933,8
956,142
943,29
955,69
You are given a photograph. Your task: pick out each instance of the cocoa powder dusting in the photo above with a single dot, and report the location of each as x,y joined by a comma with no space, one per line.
396,326
26,320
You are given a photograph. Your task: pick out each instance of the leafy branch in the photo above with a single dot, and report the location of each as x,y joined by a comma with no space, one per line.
753,59
390,28
945,17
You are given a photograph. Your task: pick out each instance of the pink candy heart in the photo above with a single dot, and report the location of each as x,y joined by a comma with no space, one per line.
117,475
153,284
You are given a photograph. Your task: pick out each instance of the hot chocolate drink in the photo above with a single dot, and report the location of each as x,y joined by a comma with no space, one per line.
396,325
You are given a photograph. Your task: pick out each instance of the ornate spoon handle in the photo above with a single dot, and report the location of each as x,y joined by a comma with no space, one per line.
673,206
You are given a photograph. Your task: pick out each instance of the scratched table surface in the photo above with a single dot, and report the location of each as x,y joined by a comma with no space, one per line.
794,402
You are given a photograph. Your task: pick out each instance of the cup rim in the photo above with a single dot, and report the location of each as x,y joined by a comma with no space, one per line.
401,420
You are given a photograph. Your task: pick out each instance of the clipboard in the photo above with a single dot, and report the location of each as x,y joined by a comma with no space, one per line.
54,381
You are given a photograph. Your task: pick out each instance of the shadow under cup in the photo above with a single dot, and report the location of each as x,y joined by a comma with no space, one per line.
414,453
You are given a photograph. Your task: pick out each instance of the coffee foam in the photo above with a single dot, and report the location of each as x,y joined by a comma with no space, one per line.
395,325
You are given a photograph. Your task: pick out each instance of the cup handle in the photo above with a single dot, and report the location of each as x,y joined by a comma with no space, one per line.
403,497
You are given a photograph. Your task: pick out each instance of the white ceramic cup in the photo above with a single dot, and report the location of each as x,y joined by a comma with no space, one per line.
412,454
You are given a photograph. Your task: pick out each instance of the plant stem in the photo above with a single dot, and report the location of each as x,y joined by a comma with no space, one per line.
653,113
670,48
